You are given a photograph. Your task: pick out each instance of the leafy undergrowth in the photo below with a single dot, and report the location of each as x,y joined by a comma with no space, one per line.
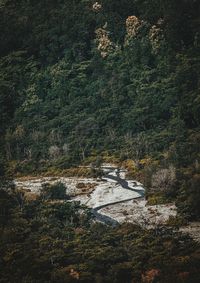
51,241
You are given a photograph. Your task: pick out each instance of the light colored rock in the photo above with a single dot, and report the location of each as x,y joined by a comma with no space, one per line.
120,203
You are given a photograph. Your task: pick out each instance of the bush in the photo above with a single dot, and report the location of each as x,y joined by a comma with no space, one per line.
176,221
55,191
156,199
189,198
164,179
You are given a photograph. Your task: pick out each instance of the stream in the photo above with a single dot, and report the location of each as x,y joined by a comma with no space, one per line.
124,184
113,199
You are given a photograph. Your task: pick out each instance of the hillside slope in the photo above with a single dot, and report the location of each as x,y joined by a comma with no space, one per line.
116,78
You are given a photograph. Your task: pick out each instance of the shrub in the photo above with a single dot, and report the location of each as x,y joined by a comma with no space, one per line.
164,179
55,191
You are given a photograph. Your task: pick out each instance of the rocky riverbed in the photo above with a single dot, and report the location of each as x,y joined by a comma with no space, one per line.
112,198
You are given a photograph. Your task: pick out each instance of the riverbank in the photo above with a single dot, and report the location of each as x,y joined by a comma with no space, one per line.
112,197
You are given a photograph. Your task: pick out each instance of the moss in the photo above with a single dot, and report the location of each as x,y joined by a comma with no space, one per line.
176,221
156,199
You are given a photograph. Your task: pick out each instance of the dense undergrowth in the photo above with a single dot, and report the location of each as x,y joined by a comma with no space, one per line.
51,240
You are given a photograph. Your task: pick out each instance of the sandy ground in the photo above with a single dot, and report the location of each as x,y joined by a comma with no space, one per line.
137,211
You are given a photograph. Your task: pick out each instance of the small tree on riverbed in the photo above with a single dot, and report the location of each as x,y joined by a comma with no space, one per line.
56,191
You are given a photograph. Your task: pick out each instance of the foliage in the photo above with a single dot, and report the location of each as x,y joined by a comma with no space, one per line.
62,100
55,191
85,79
59,242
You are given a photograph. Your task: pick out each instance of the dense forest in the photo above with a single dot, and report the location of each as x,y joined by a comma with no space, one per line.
83,81
49,241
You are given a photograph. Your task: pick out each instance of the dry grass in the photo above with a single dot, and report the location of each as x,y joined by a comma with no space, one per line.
27,178
30,196
85,188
